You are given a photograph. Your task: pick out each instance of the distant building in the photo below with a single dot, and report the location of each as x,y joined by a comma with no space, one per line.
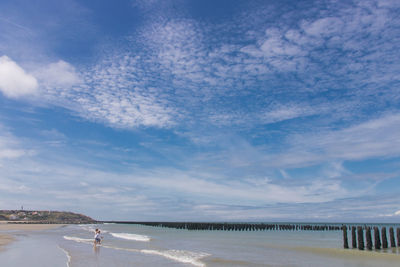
13,217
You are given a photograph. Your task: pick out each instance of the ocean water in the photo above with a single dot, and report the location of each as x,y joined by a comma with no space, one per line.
135,245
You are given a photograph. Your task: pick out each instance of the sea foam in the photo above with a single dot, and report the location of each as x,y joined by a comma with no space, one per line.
134,237
180,256
68,256
78,239
91,228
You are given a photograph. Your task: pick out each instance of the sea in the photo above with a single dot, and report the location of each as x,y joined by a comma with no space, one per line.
138,245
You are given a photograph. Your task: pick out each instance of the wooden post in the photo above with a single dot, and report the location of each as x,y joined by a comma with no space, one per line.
384,238
353,237
368,238
391,234
345,242
360,235
377,238
398,236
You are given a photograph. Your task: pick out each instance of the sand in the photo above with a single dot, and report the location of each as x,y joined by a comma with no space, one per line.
362,257
27,227
7,238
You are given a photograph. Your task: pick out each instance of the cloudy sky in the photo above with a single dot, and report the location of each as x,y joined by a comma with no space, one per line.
227,110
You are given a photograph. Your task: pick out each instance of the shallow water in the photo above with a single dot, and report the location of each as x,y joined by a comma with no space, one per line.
135,245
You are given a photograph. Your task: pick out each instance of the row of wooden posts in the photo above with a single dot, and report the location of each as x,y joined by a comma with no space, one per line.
357,232
357,237
239,226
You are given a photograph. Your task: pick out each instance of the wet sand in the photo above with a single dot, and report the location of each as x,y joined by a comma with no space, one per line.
388,257
27,227
6,238
350,253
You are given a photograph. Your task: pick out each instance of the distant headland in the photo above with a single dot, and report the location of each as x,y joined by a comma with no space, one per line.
44,216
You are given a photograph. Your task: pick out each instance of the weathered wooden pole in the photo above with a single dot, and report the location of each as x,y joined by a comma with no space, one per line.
353,237
368,238
360,235
398,236
377,238
391,235
384,238
345,242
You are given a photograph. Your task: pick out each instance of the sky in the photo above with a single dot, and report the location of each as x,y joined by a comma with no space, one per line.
186,110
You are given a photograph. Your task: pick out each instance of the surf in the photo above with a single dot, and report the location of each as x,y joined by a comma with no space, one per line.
78,239
135,237
182,256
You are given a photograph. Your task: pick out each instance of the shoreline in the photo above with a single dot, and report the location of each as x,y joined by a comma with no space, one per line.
5,240
7,237
28,226
294,249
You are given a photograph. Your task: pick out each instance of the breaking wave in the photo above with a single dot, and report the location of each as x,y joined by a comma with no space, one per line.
78,239
182,256
68,256
91,228
134,237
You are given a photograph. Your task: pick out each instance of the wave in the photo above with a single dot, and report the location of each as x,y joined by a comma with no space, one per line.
78,239
91,228
182,256
68,256
135,237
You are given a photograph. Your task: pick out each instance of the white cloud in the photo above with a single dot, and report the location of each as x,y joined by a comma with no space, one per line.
396,213
10,186
14,81
271,114
374,138
117,94
323,26
11,149
287,112
260,191
274,45
59,73
6,153
178,69
113,92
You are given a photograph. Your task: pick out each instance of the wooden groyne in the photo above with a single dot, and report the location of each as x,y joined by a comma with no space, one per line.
357,236
238,226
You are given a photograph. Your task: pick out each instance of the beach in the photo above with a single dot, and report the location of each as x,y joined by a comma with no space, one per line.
19,241
27,227
127,245
5,239
5,228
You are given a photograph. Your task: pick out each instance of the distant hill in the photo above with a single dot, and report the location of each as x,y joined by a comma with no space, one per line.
41,216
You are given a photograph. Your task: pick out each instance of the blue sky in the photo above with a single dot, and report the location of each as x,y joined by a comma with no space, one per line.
201,110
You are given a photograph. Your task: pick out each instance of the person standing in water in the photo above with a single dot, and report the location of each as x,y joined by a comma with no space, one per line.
97,237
